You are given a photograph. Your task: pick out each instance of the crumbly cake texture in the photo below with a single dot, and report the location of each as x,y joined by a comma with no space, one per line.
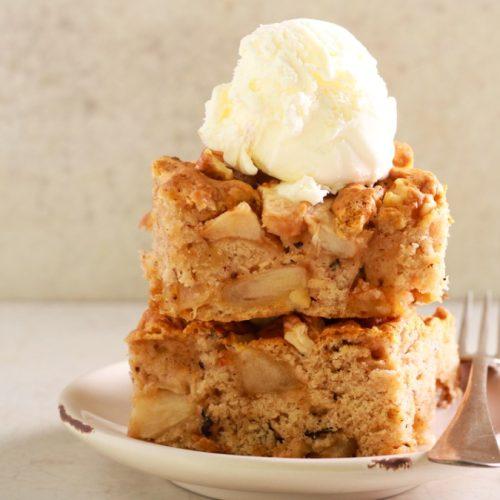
296,386
226,248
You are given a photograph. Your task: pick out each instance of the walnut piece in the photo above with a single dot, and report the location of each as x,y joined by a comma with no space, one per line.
239,222
353,207
211,164
296,334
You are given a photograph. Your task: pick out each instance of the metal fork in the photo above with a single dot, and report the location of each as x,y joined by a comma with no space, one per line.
470,438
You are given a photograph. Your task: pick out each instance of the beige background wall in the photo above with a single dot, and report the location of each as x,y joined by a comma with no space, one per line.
91,92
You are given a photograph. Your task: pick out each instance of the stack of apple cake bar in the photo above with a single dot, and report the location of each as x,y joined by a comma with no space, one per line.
281,328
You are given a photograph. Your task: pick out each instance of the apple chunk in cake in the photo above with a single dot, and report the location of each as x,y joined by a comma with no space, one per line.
296,386
231,249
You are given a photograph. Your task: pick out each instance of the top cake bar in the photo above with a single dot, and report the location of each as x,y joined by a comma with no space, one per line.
226,247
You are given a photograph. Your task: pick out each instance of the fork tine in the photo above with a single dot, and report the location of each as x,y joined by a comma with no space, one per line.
484,331
497,355
465,324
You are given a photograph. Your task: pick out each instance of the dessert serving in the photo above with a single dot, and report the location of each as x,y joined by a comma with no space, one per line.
224,250
286,264
295,387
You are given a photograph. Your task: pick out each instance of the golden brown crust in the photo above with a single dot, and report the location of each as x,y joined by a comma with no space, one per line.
226,250
190,189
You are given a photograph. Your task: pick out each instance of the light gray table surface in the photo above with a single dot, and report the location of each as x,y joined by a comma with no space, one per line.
46,345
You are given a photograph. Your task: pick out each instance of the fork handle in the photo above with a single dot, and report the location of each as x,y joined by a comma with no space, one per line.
470,437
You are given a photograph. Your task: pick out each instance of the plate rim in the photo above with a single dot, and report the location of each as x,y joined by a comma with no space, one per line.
385,474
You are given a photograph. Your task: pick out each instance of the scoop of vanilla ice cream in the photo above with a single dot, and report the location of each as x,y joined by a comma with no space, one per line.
306,100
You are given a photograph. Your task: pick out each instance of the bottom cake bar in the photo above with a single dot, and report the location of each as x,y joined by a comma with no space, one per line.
292,387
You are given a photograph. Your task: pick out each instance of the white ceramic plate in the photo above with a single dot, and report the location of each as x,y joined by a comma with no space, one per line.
95,407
